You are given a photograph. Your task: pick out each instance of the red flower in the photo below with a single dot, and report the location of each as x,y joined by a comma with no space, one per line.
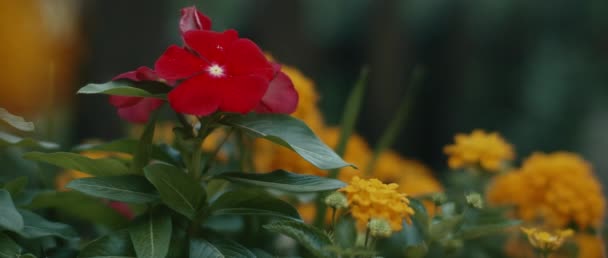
220,71
136,109
193,19
281,96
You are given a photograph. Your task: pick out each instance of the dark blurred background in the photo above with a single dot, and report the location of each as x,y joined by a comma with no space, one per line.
536,71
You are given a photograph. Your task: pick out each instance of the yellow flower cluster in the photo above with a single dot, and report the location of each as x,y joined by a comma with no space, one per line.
371,199
546,241
587,246
487,150
559,188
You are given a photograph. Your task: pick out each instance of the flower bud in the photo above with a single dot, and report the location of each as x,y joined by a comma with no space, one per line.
439,198
379,228
475,200
336,200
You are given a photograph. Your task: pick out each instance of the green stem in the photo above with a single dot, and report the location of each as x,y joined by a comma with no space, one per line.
366,237
394,128
333,218
197,153
211,157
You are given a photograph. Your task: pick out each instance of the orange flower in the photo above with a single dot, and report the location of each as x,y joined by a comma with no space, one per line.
488,150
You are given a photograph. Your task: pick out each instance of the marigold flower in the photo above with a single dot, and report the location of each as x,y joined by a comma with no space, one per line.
136,109
546,241
370,198
487,150
559,188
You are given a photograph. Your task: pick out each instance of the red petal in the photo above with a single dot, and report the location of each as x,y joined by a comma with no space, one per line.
241,94
177,63
123,101
210,45
131,75
246,58
144,73
193,19
140,112
281,96
122,209
199,95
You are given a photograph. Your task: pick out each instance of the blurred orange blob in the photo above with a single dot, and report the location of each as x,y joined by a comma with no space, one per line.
38,52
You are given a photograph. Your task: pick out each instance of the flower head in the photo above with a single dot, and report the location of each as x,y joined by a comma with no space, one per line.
220,71
136,109
475,200
546,241
379,228
336,200
370,198
488,150
559,188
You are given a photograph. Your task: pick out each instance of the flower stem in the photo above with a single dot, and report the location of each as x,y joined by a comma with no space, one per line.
366,237
211,157
333,218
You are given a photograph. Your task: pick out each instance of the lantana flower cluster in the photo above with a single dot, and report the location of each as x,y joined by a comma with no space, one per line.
488,151
558,187
371,199
211,72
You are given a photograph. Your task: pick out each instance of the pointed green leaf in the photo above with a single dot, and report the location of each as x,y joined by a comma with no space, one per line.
177,190
127,88
144,147
116,244
202,248
89,208
16,121
10,218
291,133
36,226
230,248
311,238
16,186
16,141
8,247
285,181
68,160
248,202
151,234
127,188
128,146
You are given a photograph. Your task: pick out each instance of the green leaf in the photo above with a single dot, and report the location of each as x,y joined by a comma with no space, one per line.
230,248
8,247
202,248
16,121
16,141
151,234
261,253
16,186
127,88
248,202
441,227
116,244
350,115
285,181
144,147
177,190
311,238
89,209
68,160
36,226
10,218
128,146
127,188
291,133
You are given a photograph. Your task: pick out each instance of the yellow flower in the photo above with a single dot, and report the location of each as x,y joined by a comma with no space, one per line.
371,199
546,241
65,177
487,150
559,188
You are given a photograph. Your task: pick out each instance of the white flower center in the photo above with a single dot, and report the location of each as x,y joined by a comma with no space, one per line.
215,70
